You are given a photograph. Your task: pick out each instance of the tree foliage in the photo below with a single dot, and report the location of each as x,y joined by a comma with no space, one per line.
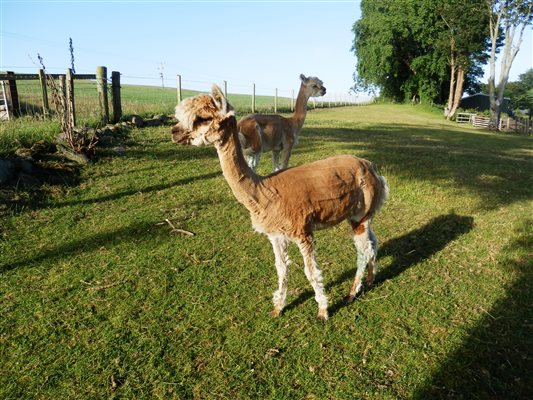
416,48
521,92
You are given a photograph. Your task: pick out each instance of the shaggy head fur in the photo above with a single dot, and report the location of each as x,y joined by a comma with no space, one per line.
201,119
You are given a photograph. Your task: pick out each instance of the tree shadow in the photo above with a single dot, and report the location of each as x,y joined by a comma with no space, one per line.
495,167
496,360
176,153
147,189
86,244
406,251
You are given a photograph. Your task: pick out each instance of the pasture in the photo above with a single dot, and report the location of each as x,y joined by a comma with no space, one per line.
100,298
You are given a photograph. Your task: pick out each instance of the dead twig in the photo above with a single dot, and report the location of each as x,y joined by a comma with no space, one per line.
178,230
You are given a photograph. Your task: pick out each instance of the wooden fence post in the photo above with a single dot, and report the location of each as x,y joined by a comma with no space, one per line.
101,86
71,109
115,96
13,96
253,99
226,89
44,92
178,87
276,101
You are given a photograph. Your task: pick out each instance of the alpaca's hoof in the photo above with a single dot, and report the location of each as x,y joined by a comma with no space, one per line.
276,312
349,298
322,315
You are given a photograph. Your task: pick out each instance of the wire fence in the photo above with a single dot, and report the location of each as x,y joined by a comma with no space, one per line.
159,95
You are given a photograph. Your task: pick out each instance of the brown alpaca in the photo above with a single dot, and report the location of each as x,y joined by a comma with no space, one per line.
289,205
264,132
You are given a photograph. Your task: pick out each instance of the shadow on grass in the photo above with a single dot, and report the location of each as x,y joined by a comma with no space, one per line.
86,244
29,191
494,166
406,251
174,153
130,192
496,360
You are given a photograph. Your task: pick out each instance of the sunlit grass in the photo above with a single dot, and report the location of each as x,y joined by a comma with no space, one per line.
100,299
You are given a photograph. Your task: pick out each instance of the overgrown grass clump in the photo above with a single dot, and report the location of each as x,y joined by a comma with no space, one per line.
101,299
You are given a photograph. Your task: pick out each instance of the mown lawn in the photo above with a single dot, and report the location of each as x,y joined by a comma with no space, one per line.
100,299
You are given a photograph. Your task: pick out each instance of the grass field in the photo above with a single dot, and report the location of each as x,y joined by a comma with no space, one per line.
135,99
142,100
100,299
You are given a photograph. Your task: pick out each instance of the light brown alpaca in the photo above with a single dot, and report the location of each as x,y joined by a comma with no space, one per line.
264,132
288,205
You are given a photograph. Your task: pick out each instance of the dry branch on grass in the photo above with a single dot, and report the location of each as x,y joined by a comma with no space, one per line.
176,230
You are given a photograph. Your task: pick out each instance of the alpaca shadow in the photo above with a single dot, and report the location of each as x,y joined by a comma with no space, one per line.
406,251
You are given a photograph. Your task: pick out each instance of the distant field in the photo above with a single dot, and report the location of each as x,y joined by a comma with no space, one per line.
100,299
142,100
137,99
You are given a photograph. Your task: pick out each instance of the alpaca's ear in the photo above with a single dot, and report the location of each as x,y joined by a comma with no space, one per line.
303,78
220,100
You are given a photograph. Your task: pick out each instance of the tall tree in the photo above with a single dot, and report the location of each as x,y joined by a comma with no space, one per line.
423,49
385,47
465,37
509,18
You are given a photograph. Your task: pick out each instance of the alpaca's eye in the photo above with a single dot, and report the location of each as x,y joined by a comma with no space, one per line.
200,120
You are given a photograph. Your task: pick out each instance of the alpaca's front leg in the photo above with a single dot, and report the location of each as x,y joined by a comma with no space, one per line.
279,245
314,275
252,160
285,156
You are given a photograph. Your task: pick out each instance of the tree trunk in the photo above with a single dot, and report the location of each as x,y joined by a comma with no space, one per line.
511,23
458,91
453,70
494,26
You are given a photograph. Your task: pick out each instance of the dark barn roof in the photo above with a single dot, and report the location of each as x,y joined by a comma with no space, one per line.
481,102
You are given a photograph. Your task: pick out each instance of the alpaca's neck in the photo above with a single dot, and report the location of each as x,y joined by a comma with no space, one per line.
300,109
240,177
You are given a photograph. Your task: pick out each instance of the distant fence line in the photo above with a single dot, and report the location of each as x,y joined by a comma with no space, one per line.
106,114
322,103
521,125
66,89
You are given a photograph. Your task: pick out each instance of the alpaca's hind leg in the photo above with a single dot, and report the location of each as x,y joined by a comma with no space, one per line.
279,245
276,166
314,275
371,274
366,245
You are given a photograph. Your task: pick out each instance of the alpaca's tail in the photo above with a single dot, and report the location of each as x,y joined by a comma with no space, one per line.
384,193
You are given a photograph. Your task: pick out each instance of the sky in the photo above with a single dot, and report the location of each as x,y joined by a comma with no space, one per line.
268,43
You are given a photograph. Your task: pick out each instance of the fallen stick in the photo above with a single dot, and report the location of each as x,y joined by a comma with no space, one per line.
178,230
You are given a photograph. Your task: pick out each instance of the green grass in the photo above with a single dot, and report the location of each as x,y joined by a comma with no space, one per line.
99,299
135,99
